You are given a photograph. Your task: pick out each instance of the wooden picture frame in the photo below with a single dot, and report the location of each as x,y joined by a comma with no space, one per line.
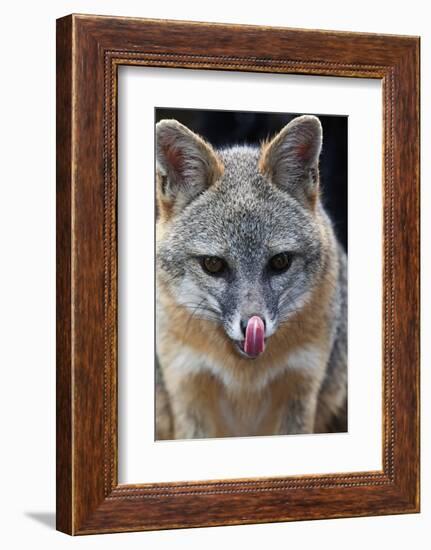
89,52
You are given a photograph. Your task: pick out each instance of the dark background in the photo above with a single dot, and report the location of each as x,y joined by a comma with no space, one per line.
224,128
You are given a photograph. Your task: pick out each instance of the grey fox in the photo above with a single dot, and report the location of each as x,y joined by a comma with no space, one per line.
251,318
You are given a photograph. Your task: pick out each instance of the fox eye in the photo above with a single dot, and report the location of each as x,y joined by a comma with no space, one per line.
280,262
214,265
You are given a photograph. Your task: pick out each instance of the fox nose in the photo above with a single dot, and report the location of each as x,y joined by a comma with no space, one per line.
244,322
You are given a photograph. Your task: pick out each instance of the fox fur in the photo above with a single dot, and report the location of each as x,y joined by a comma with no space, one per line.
245,204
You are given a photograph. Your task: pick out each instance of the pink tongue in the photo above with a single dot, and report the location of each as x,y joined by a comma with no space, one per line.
254,336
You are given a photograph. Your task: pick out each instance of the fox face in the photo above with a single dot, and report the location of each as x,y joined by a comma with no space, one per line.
241,239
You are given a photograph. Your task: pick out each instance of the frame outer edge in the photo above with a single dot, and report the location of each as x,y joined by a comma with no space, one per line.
64,300
407,272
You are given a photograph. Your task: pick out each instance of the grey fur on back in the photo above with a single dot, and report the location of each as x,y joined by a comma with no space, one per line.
331,413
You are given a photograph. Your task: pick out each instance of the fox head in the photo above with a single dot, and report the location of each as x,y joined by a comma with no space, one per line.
241,231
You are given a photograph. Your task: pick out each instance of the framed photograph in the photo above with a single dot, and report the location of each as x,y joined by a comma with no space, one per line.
237,274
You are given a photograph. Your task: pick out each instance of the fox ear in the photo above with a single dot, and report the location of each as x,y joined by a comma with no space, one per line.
291,158
186,164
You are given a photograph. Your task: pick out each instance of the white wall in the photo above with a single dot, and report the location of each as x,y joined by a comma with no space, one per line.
27,219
